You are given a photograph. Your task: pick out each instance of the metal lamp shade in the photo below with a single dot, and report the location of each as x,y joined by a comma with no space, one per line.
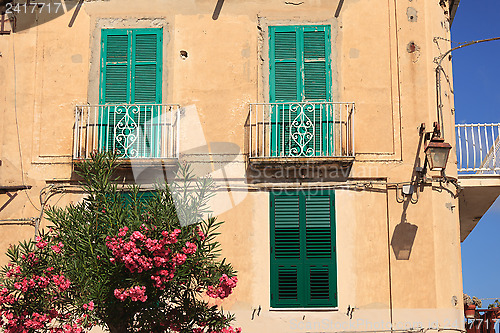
437,152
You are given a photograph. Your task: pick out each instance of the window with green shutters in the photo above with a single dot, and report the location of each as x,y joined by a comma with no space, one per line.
300,71
303,257
130,90
142,196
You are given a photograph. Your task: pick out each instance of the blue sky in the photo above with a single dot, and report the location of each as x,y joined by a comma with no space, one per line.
476,74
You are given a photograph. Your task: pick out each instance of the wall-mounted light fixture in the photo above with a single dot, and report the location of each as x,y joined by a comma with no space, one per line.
436,150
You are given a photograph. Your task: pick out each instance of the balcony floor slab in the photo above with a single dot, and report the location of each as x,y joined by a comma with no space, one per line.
478,194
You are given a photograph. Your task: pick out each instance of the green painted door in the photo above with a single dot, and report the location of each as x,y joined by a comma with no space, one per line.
130,91
303,254
300,71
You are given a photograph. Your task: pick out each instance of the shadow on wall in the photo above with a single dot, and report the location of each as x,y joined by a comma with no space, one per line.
217,9
24,15
403,239
404,233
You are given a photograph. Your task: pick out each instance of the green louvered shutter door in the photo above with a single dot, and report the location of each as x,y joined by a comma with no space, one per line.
317,82
284,83
146,87
284,64
116,66
303,260
286,264
300,71
115,83
316,66
147,66
320,249
131,66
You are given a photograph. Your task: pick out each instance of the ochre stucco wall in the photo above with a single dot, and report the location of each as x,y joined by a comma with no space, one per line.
50,68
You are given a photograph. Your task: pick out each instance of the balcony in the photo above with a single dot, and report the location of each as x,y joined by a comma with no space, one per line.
301,133
139,132
478,163
478,148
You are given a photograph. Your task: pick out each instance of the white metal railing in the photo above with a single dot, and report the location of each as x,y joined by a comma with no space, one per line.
478,148
301,129
131,130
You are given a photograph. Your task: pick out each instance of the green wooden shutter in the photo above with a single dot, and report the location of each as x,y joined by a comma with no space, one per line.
286,227
116,55
146,87
317,82
131,72
287,267
315,65
299,58
303,260
285,64
318,227
146,66
320,249
115,66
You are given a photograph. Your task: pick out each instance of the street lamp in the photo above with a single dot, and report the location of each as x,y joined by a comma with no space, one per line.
437,152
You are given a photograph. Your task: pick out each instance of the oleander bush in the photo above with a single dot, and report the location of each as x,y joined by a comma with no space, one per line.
121,260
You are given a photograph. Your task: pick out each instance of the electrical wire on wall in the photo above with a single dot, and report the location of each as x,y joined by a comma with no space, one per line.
356,185
439,69
45,194
17,124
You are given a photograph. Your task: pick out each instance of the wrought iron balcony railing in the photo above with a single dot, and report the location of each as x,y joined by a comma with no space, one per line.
301,130
131,130
478,148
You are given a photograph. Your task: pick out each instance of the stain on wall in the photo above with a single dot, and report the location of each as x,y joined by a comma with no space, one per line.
412,14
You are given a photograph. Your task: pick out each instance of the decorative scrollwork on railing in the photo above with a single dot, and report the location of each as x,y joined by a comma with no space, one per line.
302,130
126,130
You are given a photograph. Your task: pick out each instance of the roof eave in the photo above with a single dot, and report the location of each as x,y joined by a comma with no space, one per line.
453,9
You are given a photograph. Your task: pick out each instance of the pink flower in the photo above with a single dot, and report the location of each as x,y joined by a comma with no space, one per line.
89,306
57,248
200,233
137,235
122,232
190,248
41,244
224,288
179,258
135,293
61,282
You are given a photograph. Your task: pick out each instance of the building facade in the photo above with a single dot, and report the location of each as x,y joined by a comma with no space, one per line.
307,114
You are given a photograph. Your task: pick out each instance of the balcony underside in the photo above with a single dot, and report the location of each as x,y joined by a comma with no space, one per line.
479,192
271,169
339,161
130,163
142,171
